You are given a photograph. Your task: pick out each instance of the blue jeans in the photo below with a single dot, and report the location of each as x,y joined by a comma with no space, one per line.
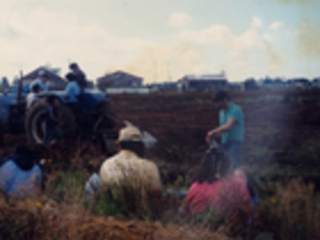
234,152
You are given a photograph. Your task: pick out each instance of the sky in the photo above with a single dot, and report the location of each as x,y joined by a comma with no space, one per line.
162,40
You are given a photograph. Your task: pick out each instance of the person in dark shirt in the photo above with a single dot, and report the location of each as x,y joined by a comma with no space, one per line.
20,174
52,122
80,75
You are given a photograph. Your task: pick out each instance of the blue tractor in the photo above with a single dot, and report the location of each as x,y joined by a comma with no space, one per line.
91,117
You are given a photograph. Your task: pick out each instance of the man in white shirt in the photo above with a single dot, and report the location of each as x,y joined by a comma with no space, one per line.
42,82
32,97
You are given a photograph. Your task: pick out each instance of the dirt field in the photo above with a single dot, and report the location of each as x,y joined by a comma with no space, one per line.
281,127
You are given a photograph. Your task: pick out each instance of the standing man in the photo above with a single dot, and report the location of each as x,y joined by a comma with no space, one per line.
80,75
52,132
231,121
41,81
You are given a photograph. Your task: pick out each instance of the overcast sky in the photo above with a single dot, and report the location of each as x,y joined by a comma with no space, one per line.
162,40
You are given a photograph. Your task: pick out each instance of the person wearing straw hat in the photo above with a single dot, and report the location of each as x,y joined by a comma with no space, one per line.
130,171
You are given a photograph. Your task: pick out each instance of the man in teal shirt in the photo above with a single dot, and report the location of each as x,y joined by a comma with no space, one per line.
231,127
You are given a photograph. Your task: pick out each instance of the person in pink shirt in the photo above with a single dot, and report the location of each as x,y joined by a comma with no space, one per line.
214,190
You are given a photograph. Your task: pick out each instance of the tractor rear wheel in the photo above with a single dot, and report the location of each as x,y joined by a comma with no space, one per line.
35,121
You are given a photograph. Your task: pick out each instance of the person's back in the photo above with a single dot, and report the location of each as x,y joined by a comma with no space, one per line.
19,175
126,169
213,190
200,196
17,182
228,197
129,175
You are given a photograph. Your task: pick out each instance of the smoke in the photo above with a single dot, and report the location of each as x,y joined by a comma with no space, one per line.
308,33
166,63
273,57
309,39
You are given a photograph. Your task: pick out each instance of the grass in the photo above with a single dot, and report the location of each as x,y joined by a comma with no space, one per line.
289,210
293,212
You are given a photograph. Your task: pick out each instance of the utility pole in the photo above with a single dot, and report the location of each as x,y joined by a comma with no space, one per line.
155,71
169,71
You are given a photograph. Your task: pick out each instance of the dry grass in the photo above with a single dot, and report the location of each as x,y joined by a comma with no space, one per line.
52,221
293,212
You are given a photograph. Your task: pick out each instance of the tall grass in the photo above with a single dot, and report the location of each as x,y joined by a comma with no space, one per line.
293,212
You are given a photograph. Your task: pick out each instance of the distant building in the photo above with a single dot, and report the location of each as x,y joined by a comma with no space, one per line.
316,82
119,79
202,82
274,84
90,85
300,83
236,86
55,82
142,90
163,87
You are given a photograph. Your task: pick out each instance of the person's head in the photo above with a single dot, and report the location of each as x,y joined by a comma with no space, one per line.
71,77
241,173
73,66
52,100
214,165
24,157
244,174
44,78
222,99
130,138
23,149
35,88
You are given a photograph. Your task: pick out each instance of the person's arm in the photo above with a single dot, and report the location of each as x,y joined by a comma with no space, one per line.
224,128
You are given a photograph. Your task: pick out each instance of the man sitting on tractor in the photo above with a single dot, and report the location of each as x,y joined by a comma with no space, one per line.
41,81
73,90
32,97
79,74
